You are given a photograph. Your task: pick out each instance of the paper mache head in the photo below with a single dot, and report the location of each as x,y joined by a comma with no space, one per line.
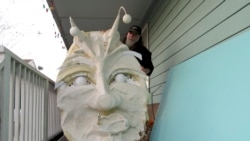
101,89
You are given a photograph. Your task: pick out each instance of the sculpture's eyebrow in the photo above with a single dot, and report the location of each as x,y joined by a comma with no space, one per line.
75,61
133,53
84,60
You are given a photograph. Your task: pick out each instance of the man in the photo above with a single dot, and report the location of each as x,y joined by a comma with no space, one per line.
133,40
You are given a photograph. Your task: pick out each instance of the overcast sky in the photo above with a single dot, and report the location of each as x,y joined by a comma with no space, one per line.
28,29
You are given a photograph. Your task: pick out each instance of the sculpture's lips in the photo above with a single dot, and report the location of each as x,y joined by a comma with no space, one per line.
111,124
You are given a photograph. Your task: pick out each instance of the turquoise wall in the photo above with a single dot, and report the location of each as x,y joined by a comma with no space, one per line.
207,98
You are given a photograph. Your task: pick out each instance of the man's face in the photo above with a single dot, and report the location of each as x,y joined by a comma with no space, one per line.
132,36
102,97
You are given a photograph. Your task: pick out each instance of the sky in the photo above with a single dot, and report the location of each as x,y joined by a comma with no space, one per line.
28,29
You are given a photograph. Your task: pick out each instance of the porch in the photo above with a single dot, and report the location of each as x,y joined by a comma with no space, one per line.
28,110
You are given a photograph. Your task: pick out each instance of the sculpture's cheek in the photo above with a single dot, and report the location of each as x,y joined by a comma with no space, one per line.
74,97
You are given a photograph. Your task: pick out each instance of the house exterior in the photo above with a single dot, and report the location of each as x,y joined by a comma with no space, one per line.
200,50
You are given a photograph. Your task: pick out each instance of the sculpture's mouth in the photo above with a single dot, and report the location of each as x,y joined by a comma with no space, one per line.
111,124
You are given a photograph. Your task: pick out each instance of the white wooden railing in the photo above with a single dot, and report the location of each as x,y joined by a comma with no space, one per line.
28,109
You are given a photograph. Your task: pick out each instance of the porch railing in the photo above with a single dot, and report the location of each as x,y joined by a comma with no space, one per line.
28,109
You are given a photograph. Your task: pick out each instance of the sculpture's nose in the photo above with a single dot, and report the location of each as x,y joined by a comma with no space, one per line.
103,99
104,102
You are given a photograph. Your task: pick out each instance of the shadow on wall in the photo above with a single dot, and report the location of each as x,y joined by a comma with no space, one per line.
207,97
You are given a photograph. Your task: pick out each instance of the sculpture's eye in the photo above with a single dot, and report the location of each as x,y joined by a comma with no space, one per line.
120,78
81,80
123,78
74,80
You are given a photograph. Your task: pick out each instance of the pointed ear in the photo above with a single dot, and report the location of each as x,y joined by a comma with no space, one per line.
74,31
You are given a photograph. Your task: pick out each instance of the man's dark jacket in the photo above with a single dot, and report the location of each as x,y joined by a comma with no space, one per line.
146,61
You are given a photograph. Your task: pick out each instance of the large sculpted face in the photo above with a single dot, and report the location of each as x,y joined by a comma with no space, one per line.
101,90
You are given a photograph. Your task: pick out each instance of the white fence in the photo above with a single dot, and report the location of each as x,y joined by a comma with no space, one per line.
28,109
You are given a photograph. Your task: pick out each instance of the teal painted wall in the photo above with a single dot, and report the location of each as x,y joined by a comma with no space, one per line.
207,98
